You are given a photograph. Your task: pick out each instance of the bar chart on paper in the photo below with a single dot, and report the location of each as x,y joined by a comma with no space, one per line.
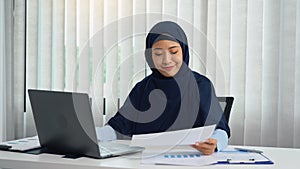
188,155
178,158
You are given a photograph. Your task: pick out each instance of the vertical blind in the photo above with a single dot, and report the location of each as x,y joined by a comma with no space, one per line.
2,72
249,49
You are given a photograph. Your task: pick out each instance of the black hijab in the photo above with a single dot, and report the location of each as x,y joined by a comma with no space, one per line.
159,103
166,31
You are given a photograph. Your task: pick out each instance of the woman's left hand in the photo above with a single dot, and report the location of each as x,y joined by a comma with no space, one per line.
207,147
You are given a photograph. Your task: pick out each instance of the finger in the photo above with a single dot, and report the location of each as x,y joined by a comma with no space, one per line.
204,147
211,141
204,151
207,152
205,144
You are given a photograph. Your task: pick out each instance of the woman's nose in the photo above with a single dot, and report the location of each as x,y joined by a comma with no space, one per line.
166,58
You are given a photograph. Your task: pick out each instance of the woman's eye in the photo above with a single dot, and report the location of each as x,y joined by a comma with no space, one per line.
173,52
157,54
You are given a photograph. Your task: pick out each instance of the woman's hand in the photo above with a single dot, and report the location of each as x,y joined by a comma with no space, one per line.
207,147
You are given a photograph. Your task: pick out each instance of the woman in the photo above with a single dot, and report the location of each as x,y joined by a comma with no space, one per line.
173,97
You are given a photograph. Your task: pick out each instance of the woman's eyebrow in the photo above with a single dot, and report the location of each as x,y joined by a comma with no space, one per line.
172,47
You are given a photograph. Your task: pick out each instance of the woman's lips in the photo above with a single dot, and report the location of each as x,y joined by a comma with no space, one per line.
168,68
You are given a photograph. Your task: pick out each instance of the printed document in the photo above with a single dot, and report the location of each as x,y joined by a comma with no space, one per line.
183,158
178,137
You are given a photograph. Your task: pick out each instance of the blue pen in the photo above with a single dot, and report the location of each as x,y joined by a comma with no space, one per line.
248,150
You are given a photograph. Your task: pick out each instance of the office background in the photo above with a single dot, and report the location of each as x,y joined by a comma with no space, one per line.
249,49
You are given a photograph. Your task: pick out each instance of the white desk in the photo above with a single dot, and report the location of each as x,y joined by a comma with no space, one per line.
282,157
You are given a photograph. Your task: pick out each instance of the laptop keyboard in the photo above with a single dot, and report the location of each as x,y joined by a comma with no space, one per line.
108,147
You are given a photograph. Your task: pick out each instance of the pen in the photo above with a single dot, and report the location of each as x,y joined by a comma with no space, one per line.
248,150
240,162
231,161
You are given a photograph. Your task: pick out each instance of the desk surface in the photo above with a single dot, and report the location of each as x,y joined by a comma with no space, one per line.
282,157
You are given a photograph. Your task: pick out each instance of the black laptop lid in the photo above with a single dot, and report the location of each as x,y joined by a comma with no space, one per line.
64,122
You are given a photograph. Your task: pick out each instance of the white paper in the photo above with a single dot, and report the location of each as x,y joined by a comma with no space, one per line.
23,144
179,137
184,158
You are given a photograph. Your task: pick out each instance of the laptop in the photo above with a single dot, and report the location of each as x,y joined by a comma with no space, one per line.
65,124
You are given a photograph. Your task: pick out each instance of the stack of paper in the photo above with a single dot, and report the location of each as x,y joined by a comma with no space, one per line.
162,147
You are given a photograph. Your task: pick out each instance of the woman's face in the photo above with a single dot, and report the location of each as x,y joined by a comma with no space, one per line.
167,57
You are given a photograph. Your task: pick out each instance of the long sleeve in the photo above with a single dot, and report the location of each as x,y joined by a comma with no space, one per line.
106,133
222,138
